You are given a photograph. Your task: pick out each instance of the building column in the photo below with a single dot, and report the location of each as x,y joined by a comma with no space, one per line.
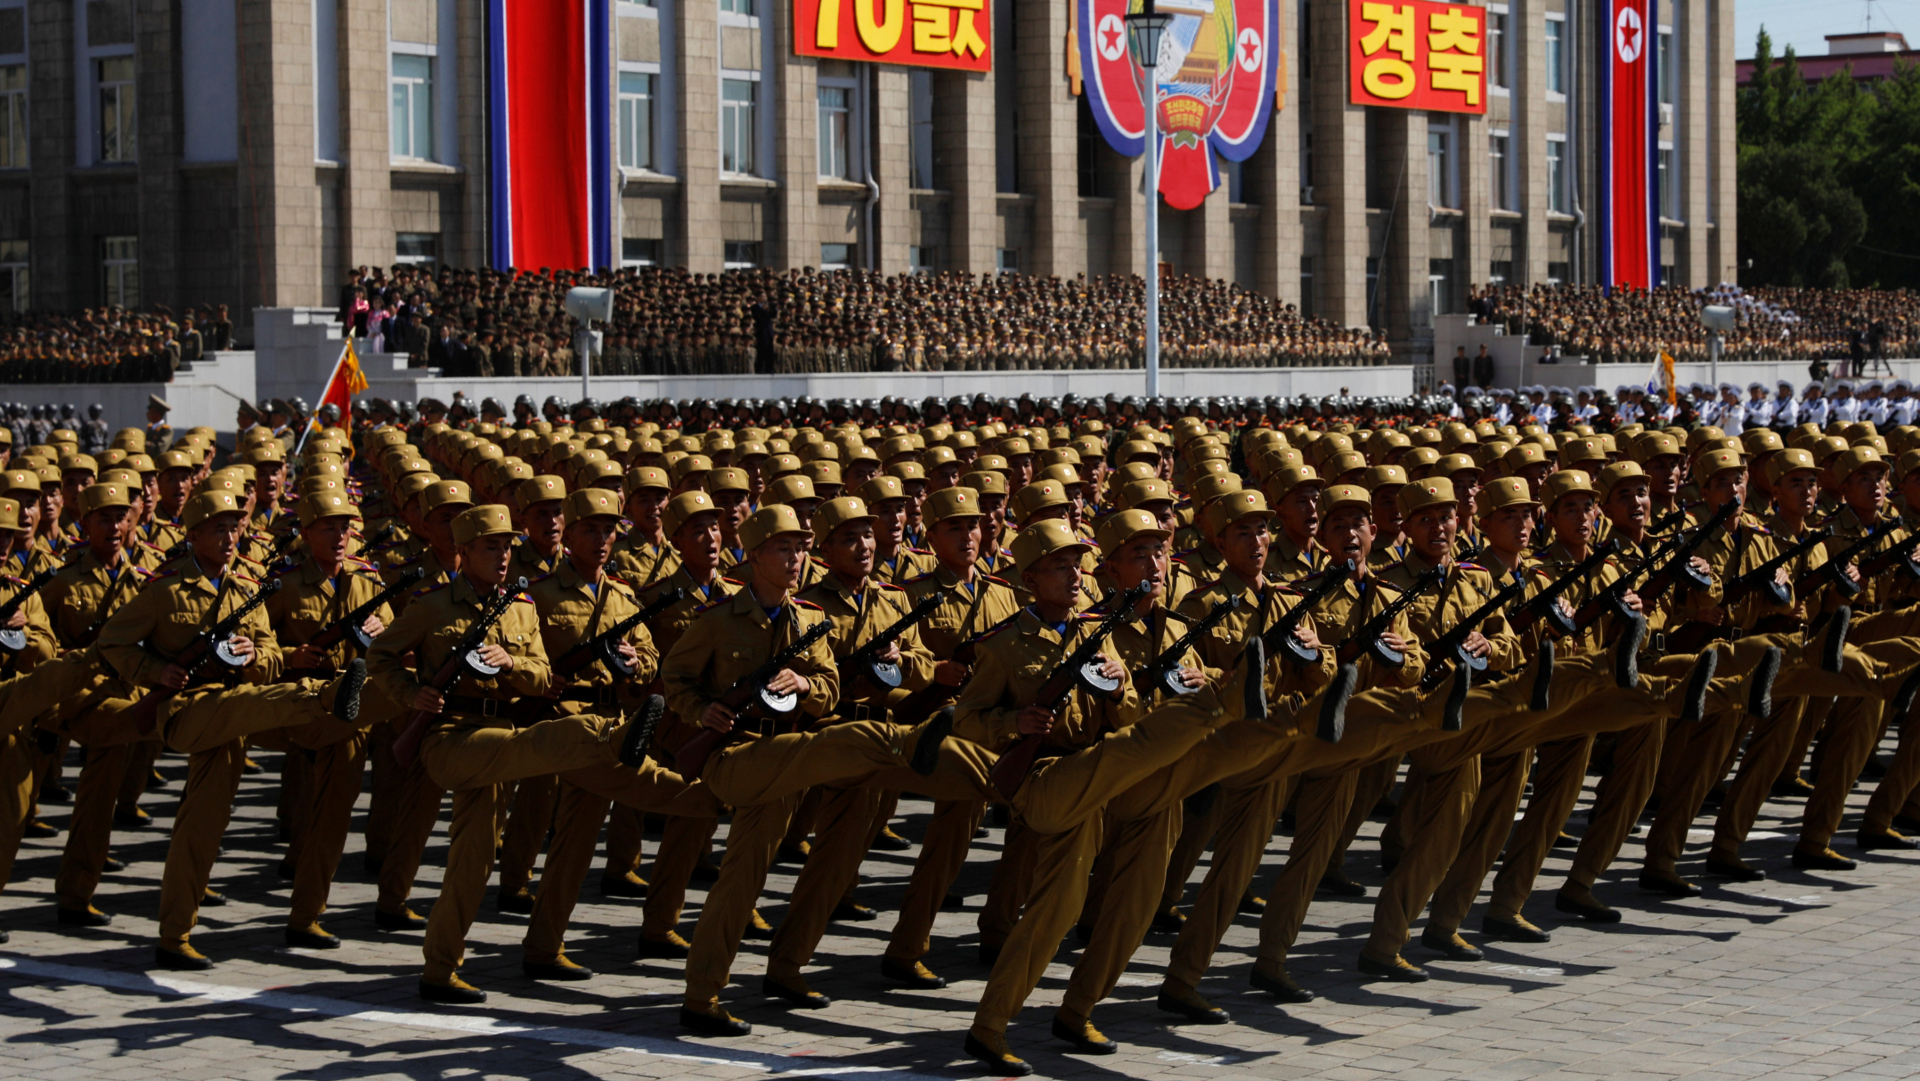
1527,142
1473,261
1690,27
693,239
1721,154
1048,139
892,167
468,244
156,46
1210,236
56,274
1273,178
366,141
280,202
1340,173
963,165
1128,252
1408,314
795,237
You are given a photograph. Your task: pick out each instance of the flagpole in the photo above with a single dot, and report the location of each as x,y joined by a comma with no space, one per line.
338,361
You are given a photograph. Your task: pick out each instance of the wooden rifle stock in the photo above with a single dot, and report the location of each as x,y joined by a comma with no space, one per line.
921,704
1547,599
406,746
1897,555
864,661
146,712
1450,647
602,645
1010,772
1156,675
1281,634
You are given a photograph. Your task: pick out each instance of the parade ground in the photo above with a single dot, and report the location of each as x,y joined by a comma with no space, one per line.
1803,975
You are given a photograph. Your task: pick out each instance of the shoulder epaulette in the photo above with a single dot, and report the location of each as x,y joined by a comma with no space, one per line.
282,572
998,581
993,630
619,581
733,581
424,590
523,599
542,578
1393,566
140,572
711,605
808,604
244,577
920,551
921,577
891,586
169,574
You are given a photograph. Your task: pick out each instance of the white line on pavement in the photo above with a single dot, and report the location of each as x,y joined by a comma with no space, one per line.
164,985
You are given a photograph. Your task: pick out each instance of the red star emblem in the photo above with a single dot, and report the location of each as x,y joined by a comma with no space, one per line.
1113,39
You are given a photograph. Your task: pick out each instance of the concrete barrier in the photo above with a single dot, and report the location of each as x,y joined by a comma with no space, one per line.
207,394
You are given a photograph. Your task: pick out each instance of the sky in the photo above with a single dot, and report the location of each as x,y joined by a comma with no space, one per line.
1804,24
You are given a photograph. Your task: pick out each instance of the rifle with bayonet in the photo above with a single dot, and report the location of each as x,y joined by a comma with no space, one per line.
1080,669
747,696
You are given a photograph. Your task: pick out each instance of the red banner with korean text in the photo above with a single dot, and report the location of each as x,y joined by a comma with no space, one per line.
953,34
1417,55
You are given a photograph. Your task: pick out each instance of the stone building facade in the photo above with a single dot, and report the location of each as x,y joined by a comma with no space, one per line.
251,152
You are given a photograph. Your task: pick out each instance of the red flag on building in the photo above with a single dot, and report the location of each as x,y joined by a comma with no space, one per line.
1629,159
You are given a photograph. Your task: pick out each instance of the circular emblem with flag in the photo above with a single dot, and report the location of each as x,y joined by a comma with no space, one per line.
1212,92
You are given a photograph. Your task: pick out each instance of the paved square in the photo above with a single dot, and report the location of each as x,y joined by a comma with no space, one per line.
1798,976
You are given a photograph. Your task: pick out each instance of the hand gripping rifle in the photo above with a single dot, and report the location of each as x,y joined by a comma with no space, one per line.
1834,571
919,705
1762,577
1081,669
605,646
1368,640
748,695
865,661
1281,634
464,661
1546,603
1451,646
1900,555
350,624
1673,558
12,640
1163,672
206,646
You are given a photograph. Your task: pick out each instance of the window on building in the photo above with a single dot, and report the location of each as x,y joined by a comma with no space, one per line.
1440,285
738,7
920,100
117,139
921,257
412,122
120,270
1306,168
742,254
1306,287
1497,49
737,130
1669,183
836,132
836,256
636,120
13,120
1440,186
1499,181
1376,303
1558,273
1087,144
1556,55
1557,174
1008,260
639,251
1500,272
14,295
1667,73
416,249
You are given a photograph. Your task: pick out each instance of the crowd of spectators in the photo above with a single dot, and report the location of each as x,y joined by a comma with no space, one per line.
1633,326
109,344
672,322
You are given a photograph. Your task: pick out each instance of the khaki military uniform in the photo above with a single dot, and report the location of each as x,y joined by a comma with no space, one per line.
972,609
572,611
211,719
